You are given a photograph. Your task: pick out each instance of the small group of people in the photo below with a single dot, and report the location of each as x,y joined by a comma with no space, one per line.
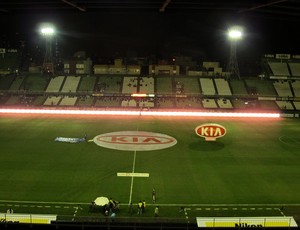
141,207
113,207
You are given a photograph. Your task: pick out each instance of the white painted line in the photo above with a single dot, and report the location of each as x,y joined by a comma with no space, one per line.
189,205
42,202
198,209
131,184
185,213
76,210
281,211
57,206
124,174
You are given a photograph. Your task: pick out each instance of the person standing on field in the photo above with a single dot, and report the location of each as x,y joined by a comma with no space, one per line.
140,206
153,195
143,206
156,211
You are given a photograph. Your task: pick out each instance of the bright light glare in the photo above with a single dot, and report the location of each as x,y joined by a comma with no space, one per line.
47,31
235,33
138,113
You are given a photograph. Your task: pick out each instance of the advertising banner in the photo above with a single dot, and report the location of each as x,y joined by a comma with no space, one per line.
246,222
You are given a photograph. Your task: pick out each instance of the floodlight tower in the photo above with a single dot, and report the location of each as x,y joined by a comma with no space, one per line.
234,34
48,33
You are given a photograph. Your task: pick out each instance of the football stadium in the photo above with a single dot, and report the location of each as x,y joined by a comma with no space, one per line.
205,151
138,144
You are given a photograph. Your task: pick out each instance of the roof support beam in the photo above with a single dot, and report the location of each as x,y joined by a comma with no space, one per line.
166,3
74,5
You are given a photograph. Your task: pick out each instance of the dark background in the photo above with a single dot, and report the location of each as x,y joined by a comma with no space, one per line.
142,28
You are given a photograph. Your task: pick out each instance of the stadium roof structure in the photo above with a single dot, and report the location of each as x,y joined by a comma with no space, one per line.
287,8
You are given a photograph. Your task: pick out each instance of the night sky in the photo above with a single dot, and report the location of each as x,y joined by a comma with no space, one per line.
162,34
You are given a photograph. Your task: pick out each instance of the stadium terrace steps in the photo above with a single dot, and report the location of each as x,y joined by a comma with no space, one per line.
283,88
285,105
295,69
209,103
279,68
55,84
52,100
146,85
70,84
207,86
224,103
296,88
222,87
68,101
130,85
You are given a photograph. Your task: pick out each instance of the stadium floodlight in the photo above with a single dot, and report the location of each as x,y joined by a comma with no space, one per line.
48,31
235,33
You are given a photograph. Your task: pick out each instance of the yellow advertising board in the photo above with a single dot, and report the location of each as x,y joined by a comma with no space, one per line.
246,222
27,218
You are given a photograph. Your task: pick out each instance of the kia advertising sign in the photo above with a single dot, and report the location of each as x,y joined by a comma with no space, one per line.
210,131
135,141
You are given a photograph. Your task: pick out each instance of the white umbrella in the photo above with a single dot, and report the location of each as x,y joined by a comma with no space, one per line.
101,201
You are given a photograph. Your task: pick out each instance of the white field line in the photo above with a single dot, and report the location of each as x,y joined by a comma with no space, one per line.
275,206
186,214
131,185
295,143
41,202
170,205
75,212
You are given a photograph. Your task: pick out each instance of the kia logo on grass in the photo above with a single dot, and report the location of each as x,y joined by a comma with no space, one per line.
134,141
210,131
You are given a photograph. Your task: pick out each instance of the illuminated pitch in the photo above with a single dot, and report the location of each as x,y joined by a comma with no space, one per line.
138,113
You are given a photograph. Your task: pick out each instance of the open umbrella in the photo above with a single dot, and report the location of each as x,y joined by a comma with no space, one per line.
101,201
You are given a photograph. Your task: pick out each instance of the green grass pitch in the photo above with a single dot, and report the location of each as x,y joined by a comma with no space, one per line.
253,170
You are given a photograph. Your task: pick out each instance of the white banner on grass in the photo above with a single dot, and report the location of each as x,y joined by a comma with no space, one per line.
69,139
